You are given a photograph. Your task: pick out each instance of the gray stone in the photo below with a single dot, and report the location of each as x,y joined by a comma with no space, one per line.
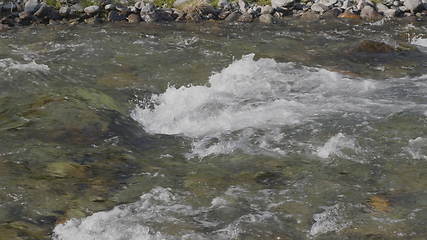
382,8
9,7
109,7
390,13
369,13
267,9
242,6
402,8
76,8
266,19
281,3
413,5
327,3
91,10
222,3
396,3
31,6
148,8
64,11
320,8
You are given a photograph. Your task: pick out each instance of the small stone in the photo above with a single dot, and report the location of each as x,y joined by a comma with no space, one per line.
396,3
334,12
345,4
267,9
139,5
246,17
31,6
281,3
91,10
76,8
64,11
266,19
134,18
320,8
369,13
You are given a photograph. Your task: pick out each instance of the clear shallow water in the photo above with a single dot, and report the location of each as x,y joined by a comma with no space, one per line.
213,132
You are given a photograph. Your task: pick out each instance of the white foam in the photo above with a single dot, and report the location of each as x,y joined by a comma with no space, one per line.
261,97
330,220
417,148
420,42
335,144
165,214
10,64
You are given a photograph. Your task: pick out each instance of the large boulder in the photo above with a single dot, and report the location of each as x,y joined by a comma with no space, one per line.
369,13
281,3
413,5
31,6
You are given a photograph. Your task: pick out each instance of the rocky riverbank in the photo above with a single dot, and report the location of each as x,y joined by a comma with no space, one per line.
74,11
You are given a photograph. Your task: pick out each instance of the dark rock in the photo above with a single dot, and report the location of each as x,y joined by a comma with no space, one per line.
134,18
3,27
115,16
163,15
369,46
25,18
246,17
43,11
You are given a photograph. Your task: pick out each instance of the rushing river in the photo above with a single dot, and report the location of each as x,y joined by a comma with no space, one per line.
213,131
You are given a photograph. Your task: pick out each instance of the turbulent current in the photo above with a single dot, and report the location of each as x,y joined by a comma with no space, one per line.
292,131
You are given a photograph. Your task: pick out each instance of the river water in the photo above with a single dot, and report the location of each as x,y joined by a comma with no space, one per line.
213,131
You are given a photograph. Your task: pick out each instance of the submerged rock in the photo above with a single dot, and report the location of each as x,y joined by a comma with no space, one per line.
369,46
66,169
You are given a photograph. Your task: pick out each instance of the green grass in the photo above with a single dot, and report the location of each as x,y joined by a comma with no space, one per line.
53,3
161,3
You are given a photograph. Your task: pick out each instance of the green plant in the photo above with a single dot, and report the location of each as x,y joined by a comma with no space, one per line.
87,3
53,3
161,3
